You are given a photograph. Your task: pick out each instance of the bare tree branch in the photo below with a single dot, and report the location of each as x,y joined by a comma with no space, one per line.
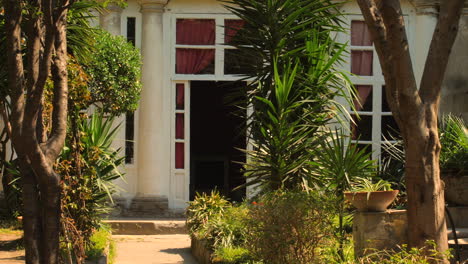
439,51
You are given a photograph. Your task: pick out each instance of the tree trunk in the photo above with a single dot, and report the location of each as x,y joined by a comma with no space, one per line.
426,214
51,219
31,215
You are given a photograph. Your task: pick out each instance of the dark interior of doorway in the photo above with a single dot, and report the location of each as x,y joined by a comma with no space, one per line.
216,135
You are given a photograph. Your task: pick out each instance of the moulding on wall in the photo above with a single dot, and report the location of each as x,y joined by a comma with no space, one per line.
152,5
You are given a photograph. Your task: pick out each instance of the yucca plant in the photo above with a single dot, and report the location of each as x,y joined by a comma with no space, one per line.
338,163
89,166
291,61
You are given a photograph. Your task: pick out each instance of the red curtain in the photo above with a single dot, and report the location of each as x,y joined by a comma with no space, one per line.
363,94
180,96
180,126
179,156
361,62
231,26
195,31
360,35
193,61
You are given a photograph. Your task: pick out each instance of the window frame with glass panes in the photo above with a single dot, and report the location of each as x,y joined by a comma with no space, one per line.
375,125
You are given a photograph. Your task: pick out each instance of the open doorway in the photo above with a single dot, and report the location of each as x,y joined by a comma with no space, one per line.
216,135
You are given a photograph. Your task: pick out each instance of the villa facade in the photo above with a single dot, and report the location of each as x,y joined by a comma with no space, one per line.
182,139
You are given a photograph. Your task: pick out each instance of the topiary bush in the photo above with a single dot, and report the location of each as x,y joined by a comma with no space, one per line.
114,74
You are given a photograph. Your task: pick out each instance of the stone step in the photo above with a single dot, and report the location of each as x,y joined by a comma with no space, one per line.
125,226
461,241
462,232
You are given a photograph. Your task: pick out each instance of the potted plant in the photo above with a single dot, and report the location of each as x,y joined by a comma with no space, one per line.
453,134
369,196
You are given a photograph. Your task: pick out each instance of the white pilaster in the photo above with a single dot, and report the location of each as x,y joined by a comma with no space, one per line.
154,126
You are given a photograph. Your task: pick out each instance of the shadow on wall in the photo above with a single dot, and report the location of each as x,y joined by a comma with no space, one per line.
454,97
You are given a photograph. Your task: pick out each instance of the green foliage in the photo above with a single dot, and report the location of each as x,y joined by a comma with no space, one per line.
292,60
368,185
407,255
232,255
281,155
101,243
88,169
453,134
288,227
114,74
339,162
227,229
203,208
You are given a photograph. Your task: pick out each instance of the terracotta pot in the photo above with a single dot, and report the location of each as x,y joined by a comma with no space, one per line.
371,201
456,189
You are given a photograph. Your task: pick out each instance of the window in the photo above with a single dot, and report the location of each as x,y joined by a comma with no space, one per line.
201,50
375,123
180,138
130,116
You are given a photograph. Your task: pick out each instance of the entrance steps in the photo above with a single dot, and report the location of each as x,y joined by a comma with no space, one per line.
133,226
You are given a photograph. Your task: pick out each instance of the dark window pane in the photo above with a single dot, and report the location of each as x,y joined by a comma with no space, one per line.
131,22
195,61
360,35
362,130
129,137
180,96
234,63
385,106
390,129
180,126
195,32
361,62
364,93
179,155
231,26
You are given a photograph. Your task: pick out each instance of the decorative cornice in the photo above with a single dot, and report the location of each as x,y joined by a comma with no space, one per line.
152,5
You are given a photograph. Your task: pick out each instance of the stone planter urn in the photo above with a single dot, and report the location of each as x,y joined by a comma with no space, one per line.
376,201
456,189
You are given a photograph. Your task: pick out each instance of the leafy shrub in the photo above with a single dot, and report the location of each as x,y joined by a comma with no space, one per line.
114,74
406,255
228,229
288,227
232,255
203,208
101,244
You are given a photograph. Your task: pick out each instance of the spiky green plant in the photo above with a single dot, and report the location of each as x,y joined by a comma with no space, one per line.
338,163
454,144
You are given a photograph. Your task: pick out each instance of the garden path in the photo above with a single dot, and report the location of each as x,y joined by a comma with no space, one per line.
9,252
153,249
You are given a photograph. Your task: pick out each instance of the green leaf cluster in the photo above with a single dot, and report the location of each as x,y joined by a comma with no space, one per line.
453,134
114,74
